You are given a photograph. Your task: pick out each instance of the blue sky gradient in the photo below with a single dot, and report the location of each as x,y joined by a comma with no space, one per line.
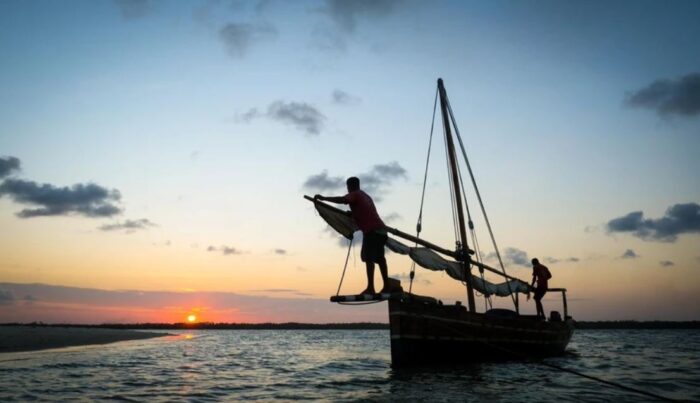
151,98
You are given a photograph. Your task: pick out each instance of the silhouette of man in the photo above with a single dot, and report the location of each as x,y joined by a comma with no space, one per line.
540,274
372,227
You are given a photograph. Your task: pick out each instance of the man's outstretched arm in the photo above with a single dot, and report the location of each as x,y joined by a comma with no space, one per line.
332,199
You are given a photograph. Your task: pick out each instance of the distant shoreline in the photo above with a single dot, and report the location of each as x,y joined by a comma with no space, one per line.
16,338
587,325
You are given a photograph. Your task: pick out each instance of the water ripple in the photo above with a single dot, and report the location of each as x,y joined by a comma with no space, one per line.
345,366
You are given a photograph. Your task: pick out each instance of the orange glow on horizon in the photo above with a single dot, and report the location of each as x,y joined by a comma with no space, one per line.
191,318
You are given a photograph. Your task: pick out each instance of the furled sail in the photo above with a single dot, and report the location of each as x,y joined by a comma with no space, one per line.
342,222
339,220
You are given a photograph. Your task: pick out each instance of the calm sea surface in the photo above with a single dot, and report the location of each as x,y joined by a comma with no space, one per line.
346,365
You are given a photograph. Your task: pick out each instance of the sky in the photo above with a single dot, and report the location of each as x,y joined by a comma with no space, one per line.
154,154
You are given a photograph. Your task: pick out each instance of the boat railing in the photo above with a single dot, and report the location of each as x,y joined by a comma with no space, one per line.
563,299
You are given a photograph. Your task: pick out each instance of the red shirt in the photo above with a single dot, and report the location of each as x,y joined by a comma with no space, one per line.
363,211
541,273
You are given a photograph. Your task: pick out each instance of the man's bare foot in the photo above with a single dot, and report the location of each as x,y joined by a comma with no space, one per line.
369,291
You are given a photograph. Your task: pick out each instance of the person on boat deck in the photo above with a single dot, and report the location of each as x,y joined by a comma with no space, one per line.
540,274
373,231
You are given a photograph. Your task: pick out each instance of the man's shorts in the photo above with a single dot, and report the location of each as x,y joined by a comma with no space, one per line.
373,246
539,293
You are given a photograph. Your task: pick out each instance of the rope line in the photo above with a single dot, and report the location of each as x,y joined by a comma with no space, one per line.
342,277
557,367
603,381
419,223
581,374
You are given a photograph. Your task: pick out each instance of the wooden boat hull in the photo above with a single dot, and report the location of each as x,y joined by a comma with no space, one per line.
425,332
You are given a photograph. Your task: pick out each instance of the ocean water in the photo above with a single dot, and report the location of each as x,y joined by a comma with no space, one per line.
345,365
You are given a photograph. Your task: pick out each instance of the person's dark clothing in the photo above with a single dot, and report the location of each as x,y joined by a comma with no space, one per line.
373,246
539,293
541,273
363,211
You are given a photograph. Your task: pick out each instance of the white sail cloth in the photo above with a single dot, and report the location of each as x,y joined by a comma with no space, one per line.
342,222
431,260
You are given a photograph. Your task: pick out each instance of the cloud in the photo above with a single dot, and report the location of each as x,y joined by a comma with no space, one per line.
629,254
666,263
280,251
385,172
373,182
132,9
346,14
262,6
225,250
516,257
670,97
230,250
239,37
8,166
391,217
552,260
89,200
678,219
7,297
253,113
323,183
129,225
341,97
344,242
342,18
301,115
380,177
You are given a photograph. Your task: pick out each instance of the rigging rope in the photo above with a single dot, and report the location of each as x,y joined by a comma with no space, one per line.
478,196
345,266
472,233
419,224
337,293
475,242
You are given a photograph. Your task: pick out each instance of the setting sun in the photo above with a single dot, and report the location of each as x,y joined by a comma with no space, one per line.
191,318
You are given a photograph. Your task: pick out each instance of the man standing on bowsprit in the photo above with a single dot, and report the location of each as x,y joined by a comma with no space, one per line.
372,227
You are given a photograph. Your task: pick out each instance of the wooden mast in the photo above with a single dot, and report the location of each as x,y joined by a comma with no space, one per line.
463,256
